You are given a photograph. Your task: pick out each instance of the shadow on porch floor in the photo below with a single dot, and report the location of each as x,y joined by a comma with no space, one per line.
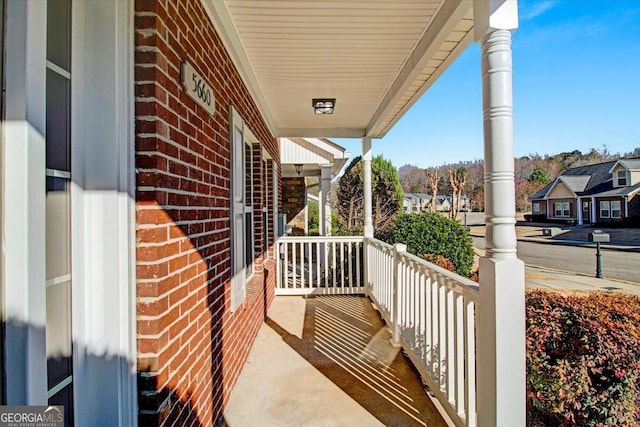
327,361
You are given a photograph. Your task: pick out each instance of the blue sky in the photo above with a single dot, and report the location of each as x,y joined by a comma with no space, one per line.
576,86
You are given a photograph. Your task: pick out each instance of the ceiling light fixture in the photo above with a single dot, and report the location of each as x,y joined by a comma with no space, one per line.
298,167
323,105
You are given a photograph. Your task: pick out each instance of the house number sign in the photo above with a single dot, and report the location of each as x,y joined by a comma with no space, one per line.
197,87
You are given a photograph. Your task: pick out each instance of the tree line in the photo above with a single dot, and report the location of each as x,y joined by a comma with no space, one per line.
532,172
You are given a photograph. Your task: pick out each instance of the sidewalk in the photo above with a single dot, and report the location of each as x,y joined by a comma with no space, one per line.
547,278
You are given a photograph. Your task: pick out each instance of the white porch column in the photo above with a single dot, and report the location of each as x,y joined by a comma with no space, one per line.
366,166
579,208
324,207
501,308
594,210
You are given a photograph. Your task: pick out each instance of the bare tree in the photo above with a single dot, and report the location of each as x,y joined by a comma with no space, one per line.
433,178
458,180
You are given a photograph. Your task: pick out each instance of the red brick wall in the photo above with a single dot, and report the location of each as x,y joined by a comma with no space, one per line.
190,347
294,203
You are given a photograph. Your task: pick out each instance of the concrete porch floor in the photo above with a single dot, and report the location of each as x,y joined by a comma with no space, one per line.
327,361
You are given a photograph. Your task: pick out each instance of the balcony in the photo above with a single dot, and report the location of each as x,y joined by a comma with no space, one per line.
340,350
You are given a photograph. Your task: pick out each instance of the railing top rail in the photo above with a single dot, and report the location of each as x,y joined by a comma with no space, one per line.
321,239
456,282
379,243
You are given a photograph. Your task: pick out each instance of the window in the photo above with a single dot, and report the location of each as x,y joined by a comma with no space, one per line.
248,206
604,209
266,202
59,344
536,208
558,209
616,210
622,178
562,209
242,248
585,206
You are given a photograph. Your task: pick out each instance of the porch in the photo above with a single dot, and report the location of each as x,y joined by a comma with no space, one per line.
329,351
315,350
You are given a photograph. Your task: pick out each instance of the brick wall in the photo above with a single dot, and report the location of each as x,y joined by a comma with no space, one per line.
293,204
190,347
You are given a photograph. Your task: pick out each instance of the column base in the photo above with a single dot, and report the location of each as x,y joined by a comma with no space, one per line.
501,343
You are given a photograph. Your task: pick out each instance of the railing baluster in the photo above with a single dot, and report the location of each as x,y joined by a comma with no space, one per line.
450,357
459,353
442,333
333,263
470,353
350,247
294,249
285,266
342,265
325,250
309,264
318,260
359,248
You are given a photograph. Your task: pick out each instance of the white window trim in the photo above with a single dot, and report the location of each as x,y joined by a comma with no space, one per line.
619,210
603,210
248,204
104,176
241,268
536,208
625,177
563,207
23,179
267,204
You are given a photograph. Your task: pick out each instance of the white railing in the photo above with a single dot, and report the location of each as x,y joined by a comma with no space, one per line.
320,265
431,312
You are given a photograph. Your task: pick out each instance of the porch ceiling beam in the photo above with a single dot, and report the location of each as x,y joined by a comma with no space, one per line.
320,132
450,14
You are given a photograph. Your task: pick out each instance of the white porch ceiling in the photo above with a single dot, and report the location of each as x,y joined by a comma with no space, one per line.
375,57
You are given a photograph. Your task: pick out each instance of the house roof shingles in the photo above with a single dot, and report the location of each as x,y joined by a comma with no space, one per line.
592,180
632,164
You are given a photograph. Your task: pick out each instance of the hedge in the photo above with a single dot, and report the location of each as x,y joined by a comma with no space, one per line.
583,359
434,234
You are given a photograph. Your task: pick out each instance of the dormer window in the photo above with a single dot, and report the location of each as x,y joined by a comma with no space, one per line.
622,178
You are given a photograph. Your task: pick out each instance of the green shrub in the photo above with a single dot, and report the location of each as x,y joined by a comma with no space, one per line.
339,228
583,359
432,233
313,212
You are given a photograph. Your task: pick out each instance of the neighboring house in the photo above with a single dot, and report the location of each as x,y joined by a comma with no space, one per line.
416,202
600,193
421,202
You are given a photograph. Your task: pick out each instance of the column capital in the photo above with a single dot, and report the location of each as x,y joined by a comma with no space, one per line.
325,171
491,15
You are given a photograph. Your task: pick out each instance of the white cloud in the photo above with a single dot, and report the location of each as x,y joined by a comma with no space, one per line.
535,9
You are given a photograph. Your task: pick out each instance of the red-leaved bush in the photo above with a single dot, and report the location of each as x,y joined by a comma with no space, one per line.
440,261
583,359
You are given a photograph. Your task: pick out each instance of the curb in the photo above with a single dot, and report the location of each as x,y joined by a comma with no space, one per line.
611,247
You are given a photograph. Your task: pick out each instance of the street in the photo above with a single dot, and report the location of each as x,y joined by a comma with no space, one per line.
619,265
